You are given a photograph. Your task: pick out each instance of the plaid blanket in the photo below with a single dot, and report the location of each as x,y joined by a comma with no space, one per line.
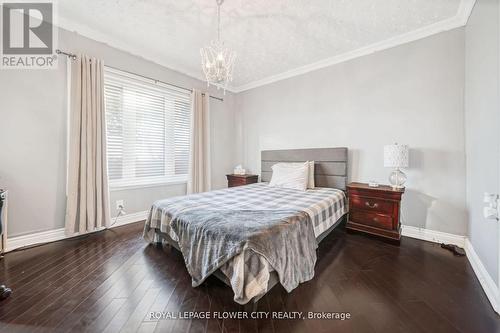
248,272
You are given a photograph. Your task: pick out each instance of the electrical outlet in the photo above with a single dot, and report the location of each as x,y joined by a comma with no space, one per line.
120,204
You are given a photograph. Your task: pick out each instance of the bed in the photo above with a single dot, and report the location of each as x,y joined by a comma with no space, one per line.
255,236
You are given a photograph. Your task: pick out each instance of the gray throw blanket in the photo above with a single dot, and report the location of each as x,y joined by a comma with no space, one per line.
209,238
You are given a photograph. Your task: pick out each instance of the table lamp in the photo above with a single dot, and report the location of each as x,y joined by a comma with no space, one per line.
396,156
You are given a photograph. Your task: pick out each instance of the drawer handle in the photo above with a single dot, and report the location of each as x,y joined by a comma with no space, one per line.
375,219
375,205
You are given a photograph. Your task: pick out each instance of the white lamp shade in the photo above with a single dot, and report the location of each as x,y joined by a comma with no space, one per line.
396,156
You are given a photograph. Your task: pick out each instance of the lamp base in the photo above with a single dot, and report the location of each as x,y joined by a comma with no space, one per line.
397,178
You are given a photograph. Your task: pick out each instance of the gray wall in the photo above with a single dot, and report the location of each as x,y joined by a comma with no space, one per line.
482,119
33,138
410,94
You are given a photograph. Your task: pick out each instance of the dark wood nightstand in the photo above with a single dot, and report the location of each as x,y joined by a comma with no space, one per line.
239,180
375,210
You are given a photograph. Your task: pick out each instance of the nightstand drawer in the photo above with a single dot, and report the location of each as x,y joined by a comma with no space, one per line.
375,210
371,219
239,180
371,204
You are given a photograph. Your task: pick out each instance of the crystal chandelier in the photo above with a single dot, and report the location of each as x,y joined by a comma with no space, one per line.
217,60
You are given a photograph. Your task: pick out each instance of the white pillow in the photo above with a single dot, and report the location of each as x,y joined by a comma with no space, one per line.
310,177
310,181
290,175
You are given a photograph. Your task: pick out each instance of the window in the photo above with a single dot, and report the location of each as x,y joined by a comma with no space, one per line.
148,128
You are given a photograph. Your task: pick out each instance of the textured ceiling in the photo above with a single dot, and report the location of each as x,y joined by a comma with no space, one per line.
271,37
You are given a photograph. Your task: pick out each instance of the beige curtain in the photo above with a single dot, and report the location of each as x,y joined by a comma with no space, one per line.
199,161
87,207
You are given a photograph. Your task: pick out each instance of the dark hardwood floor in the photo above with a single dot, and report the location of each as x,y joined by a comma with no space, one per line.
111,281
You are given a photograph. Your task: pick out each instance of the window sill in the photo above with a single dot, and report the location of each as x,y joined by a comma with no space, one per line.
122,187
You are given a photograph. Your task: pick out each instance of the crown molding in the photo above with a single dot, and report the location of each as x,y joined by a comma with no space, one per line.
459,20
86,31
465,10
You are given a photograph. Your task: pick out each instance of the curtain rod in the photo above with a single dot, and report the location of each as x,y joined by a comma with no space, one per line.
73,57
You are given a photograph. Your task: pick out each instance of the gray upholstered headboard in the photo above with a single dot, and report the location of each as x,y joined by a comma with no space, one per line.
330,164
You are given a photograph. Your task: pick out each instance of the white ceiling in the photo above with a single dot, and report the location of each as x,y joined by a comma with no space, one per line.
274,39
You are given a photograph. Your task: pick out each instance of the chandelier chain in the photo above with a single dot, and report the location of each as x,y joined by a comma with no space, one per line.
219,3
217,59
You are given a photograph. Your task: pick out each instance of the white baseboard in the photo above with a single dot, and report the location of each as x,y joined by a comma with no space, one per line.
129,218
432,235
489,286
59,234
35,238
487,283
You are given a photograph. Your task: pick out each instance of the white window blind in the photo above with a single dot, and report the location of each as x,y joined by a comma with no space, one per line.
148,128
